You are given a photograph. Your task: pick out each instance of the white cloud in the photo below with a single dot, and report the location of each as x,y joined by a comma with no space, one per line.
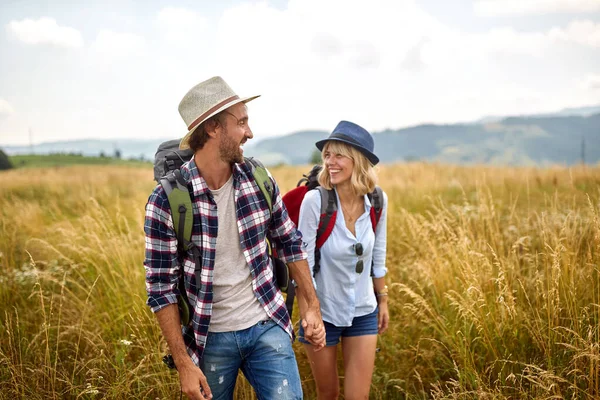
180,25
5,108
326,45
361,36
111,44
304,61
45,31
414,57
591,82
383,63
509,41
585,33
530,7
388,53
506,41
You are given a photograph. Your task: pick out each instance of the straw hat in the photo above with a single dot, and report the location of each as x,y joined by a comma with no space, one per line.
205,100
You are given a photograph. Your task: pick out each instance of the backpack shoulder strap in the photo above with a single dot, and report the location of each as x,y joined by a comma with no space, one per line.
326,223
181,205
262,179
328,211
376,199
180,202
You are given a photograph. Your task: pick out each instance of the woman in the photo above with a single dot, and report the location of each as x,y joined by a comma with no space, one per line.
353,299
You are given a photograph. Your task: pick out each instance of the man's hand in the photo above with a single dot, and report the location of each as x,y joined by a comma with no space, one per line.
314,330
193,382
310,309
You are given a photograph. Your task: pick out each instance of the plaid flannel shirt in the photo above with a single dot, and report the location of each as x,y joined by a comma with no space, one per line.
255,222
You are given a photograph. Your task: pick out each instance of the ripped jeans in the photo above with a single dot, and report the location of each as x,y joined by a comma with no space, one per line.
264,354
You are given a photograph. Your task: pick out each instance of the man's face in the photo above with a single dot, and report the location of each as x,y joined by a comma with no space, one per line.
234,134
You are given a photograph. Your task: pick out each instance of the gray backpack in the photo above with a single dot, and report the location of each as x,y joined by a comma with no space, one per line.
168,157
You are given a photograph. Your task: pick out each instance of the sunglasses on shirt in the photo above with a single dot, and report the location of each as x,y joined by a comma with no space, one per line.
360,265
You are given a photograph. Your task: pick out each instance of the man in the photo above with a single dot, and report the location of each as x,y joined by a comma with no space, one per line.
238,315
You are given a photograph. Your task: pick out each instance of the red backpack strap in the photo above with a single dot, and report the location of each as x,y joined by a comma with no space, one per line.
376,199
328,213
326,222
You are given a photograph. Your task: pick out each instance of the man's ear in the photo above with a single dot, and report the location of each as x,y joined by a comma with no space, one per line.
213,127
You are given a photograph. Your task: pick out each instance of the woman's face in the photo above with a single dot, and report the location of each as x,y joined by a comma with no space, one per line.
338,166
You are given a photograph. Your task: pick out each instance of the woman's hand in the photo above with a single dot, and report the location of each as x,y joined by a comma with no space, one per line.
383,316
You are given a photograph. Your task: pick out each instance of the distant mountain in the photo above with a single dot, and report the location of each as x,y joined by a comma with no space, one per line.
533,140
294,148
129,148
580,111
511,141
566,112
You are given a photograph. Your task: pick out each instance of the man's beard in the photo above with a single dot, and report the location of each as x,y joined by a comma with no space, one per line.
229,151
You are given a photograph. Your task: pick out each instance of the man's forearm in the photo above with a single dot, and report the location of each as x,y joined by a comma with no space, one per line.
305,291
308,303
193,381
170,325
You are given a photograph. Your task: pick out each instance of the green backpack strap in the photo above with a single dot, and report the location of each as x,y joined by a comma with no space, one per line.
262,179
181,205
180,201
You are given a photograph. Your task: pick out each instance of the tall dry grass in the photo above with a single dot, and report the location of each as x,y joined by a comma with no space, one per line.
493,275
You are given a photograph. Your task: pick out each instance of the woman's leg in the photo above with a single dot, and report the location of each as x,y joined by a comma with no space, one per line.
323,364
359,362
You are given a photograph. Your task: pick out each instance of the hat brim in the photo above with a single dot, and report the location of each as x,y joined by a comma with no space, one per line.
370,156
184,143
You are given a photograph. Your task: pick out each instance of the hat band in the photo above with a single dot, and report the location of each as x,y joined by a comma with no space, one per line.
347,138
210,111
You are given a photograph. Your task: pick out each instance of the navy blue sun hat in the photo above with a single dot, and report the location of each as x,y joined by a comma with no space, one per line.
354,135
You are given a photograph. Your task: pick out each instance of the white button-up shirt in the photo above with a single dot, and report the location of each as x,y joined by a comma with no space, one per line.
343,293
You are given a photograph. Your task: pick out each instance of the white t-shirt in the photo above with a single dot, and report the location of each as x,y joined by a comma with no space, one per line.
235,306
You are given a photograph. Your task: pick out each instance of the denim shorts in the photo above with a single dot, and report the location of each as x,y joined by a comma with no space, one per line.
361,326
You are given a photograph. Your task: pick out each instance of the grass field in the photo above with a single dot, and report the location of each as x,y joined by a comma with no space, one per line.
63,160
493,275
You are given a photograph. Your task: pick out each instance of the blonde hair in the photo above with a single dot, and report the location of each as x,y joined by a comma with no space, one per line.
364,176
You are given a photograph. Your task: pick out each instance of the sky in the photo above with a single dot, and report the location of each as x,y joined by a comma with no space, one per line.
118,69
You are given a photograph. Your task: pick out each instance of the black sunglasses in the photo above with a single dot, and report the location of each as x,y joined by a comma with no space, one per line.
360,265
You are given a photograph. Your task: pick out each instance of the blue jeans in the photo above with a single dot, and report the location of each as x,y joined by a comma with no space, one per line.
264,354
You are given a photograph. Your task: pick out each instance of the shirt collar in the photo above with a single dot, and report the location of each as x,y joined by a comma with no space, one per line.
191,174
368,204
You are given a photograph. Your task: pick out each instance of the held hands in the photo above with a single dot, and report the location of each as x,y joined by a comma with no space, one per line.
314,330
194,383
308,303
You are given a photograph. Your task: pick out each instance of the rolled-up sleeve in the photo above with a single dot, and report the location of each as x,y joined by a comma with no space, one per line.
310,214
379,249
282,231
160,262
